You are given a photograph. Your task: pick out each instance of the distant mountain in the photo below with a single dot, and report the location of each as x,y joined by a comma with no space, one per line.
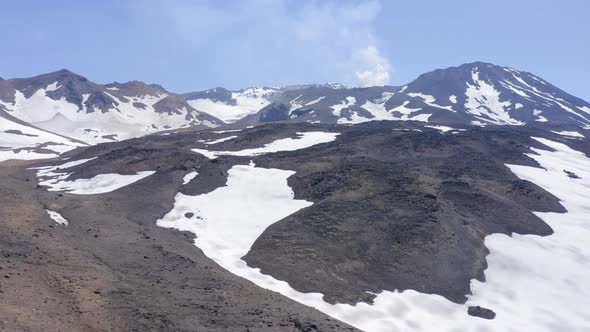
475,93
69,104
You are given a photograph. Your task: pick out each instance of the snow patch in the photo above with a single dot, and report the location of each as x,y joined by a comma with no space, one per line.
483,101
226,131
453,99
443,129
223,139
55,180
303,140
189,176
315,101
569,134
52,87
337,109
99,184
24,155
429,100
57,217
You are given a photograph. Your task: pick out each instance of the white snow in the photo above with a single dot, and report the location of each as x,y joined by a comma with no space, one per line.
101,183
57,217
90,124
24,155
453,99
541,118
189,176
52,87
430,101
533,283
571,110
226,131
21,146
443,129
219,140
569,133
526,90
378,110
337,109
483,101
518,105
303,140
248,101
315,101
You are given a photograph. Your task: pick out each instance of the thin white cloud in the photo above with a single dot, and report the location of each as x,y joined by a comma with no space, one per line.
377,68
286,40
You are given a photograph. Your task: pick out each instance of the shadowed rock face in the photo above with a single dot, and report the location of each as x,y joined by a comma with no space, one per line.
394,208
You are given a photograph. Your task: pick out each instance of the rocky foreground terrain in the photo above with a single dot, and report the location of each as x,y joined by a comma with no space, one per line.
389,206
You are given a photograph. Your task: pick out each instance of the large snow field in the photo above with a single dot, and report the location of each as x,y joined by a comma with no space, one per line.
533,283
303,140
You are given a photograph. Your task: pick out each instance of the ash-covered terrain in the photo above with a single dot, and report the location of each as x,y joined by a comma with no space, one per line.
459,201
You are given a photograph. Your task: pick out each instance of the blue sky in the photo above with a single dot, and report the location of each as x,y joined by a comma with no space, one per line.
194,45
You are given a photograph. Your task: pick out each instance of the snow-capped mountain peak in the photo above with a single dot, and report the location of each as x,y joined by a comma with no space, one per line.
69,104
474,93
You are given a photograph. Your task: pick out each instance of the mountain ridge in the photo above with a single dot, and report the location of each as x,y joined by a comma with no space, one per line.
476,93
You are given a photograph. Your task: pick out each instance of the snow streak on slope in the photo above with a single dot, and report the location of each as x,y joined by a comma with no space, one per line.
219,140
430,101
483,101
248,101
574,134
101,183
303,140
533,283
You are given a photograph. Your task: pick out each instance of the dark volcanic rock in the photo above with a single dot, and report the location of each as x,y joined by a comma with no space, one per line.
481,312
113,269
571,175
399,210
274,112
